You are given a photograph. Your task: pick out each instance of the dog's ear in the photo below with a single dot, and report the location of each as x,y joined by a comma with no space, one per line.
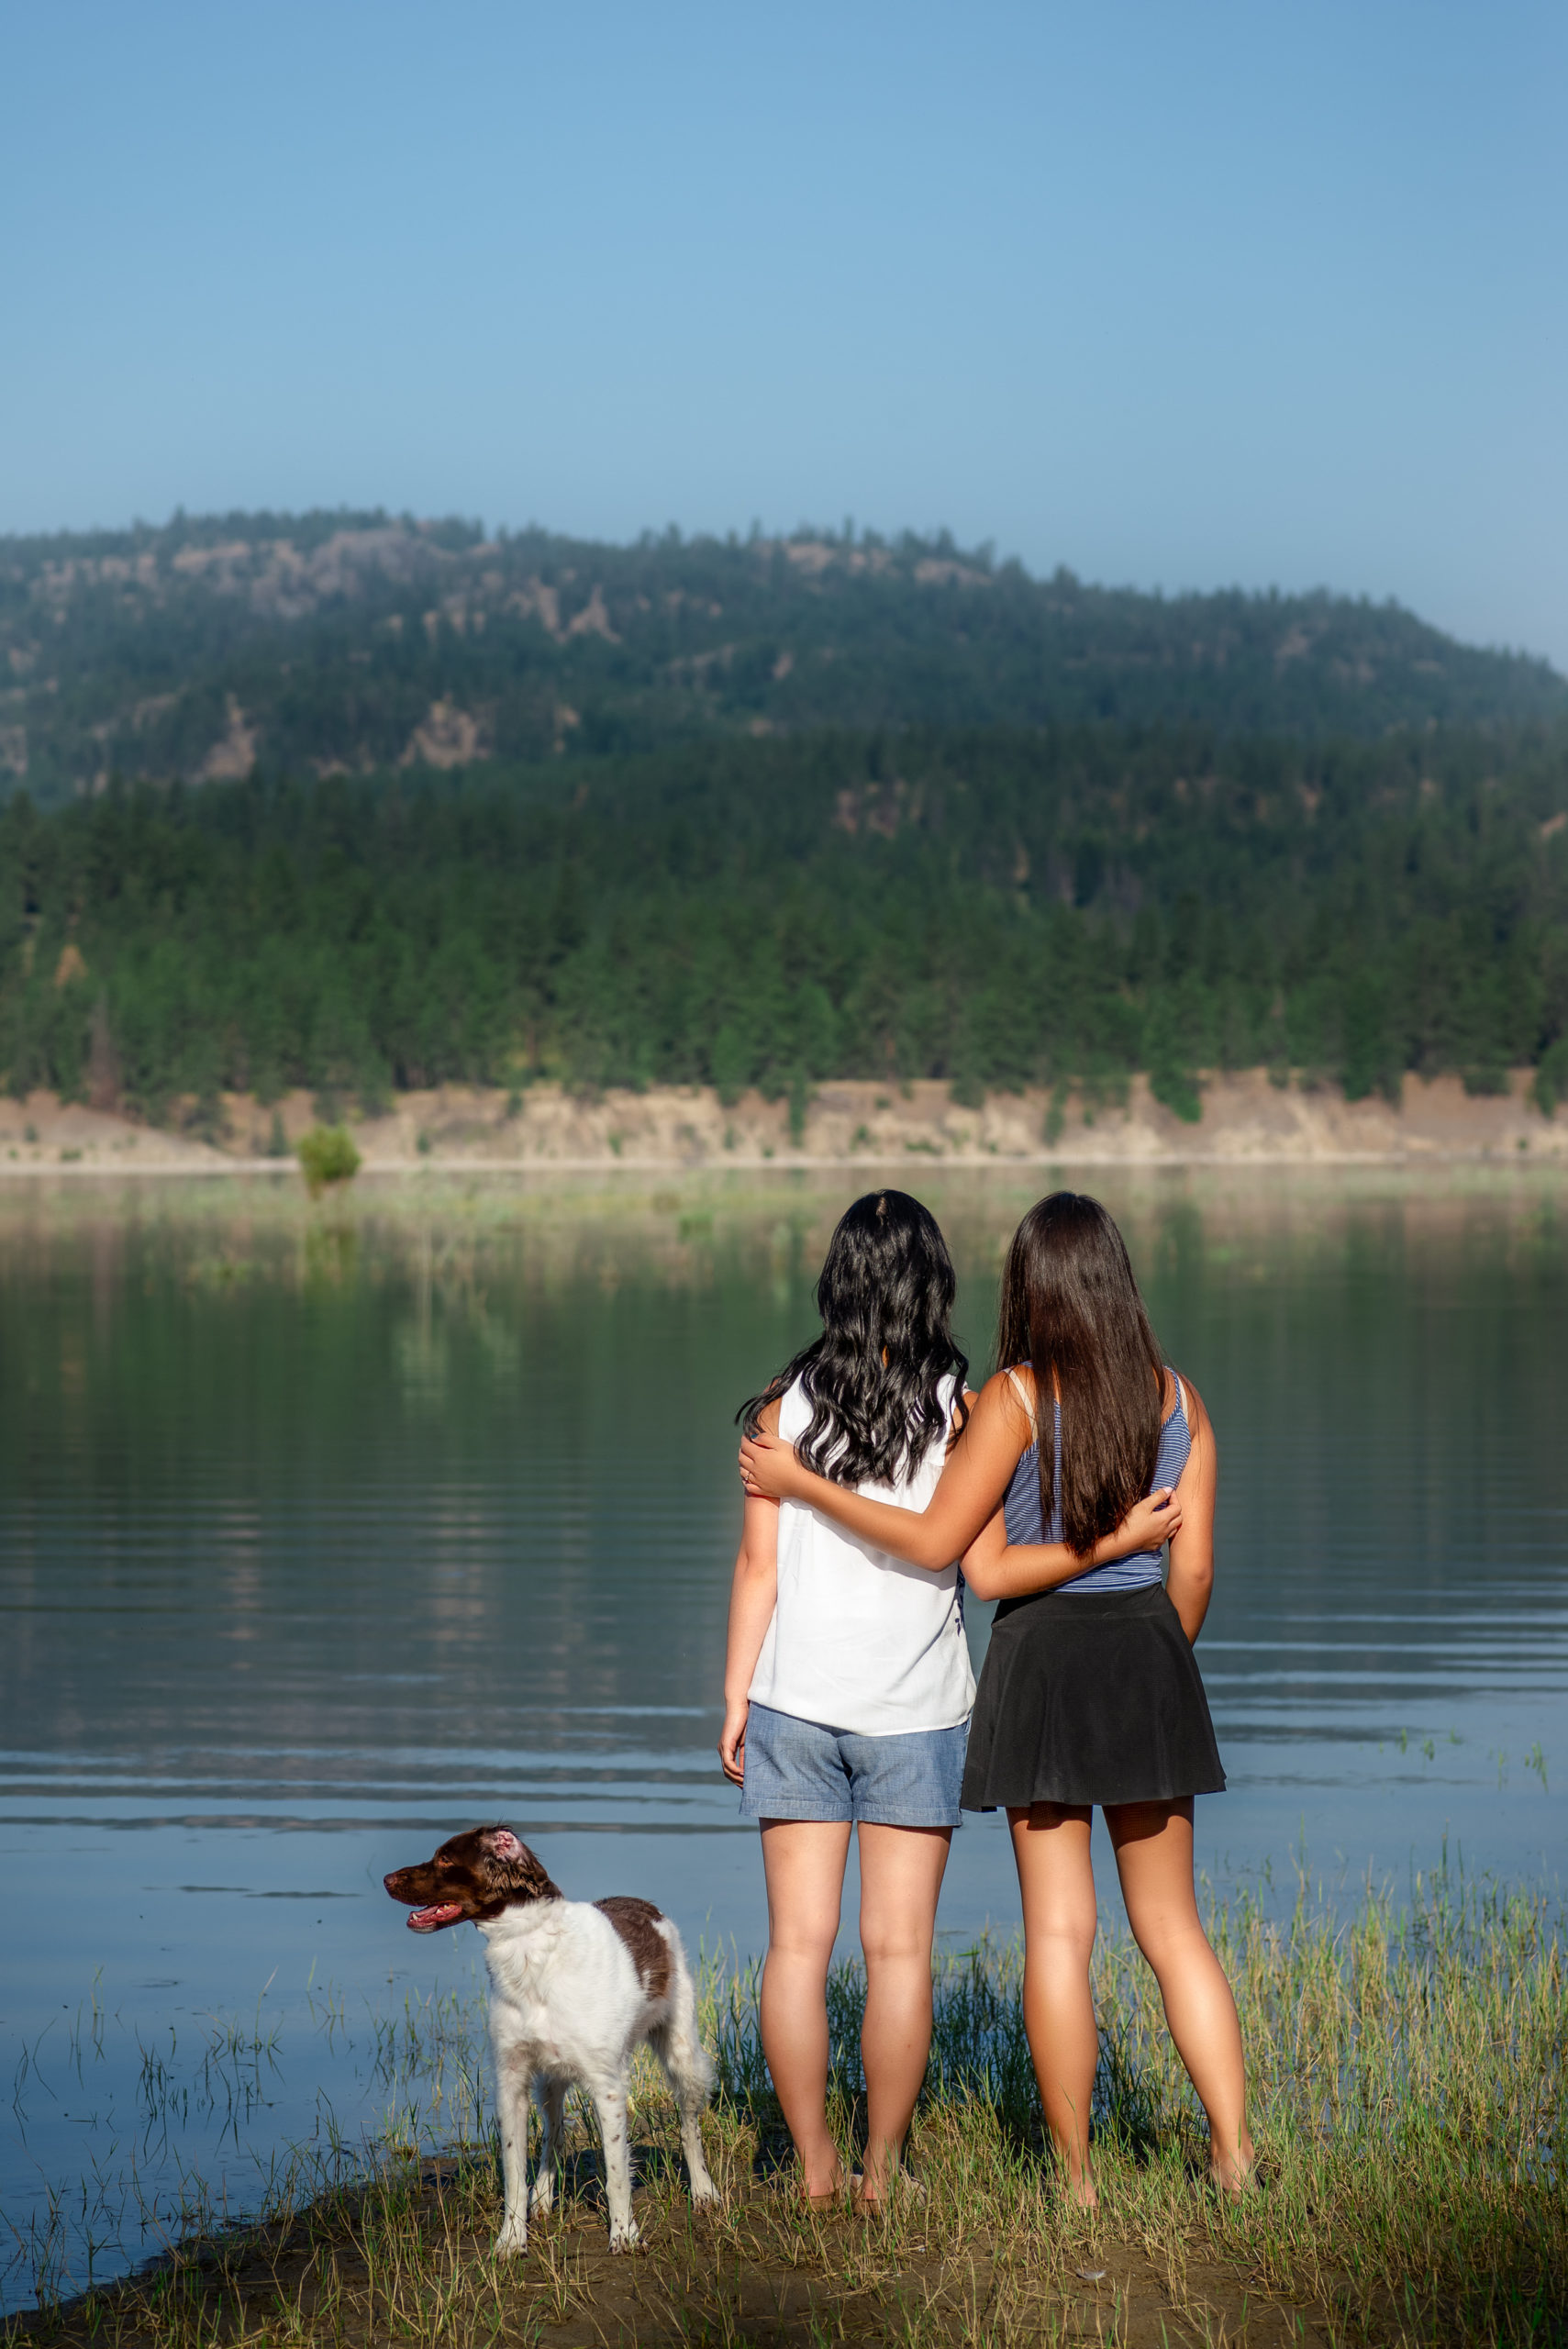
524,1876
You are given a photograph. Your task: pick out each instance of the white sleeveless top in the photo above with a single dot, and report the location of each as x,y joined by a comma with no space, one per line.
859,1641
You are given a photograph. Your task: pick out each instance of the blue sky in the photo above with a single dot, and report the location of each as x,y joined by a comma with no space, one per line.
1177,295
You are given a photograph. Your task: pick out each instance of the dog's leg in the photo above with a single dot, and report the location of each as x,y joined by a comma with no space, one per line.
552,2105
609,2102
512,2111
685,2063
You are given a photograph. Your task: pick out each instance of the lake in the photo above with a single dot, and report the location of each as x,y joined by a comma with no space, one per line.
328,1531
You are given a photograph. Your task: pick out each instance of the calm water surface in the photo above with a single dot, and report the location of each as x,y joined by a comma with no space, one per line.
327,1533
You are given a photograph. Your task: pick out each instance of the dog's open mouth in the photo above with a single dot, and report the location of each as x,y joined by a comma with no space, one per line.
430,1921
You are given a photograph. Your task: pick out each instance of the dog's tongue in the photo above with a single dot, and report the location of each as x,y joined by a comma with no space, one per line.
429,1920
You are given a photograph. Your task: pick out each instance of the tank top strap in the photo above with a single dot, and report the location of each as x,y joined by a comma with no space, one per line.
1175,1445
1023,1394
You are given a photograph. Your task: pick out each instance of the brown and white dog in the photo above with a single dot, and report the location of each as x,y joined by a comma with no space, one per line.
576,1986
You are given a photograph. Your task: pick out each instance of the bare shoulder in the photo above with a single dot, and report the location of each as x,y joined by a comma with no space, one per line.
768,1417
1197,1410
1012,1393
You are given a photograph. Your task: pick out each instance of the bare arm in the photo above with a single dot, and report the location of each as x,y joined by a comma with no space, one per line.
1191,1579
995,1567
753,1594
972,1482
979,1469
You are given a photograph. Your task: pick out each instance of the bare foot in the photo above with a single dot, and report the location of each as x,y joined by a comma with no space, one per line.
1237,2173
813,2190
817,2195
872,2193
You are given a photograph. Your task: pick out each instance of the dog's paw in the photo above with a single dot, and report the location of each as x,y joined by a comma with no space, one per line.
704,2190
624,2238
513,2240
542,2200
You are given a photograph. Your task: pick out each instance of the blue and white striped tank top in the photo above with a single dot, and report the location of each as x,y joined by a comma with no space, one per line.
1021,1505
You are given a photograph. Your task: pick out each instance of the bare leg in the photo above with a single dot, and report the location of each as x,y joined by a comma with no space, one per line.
901,1875
1154,1854
553,2108
1050,1844
803,1860
512,2111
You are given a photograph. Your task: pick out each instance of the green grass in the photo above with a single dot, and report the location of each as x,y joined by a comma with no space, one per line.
1407,2072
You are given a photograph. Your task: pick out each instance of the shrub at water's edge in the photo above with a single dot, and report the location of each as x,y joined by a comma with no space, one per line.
328,1155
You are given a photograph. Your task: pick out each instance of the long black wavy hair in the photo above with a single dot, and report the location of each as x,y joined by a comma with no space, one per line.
1070,1308
887,1287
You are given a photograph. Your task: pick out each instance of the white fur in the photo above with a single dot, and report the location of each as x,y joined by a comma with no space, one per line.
566,2005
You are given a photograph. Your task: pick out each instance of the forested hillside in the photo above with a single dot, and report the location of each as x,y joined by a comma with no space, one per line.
991,906
305,646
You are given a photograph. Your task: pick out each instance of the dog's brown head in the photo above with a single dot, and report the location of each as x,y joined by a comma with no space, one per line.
471,1880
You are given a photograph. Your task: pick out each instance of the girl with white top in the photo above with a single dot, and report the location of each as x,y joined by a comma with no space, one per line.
847,1683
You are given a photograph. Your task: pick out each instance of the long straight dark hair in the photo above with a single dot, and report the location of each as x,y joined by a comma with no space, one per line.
887,1287
1071,1310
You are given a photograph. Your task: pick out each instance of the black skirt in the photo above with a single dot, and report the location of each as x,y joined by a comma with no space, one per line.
1089,1698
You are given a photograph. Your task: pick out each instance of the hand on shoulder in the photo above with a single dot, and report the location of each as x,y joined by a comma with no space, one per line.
769,1469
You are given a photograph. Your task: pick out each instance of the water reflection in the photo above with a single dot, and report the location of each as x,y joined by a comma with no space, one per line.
326,1532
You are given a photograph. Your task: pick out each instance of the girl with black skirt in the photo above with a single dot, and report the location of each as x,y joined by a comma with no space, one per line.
1090,1692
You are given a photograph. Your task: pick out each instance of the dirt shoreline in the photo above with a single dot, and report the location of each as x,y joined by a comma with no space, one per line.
1249,1119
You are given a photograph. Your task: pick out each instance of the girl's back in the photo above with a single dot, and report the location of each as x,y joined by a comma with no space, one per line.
858,1639
1025,1519
847,1686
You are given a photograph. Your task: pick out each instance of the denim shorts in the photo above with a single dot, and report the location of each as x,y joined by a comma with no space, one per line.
797,1769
